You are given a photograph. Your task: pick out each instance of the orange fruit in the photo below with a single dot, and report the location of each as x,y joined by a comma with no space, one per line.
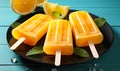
40,2
55,10
23,7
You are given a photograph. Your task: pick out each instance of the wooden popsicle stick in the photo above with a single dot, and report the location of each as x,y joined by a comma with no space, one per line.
93,49
58,58
16,44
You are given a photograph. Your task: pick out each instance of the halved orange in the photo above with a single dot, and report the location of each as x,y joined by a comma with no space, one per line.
40,2
55,10
23,7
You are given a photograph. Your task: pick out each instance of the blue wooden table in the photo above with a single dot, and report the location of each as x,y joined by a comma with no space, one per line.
110,61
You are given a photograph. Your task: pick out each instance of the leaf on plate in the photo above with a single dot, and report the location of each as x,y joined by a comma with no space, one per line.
35,50
15,24
100,21
57,14
80,52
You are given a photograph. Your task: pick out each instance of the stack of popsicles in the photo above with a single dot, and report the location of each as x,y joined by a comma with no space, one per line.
59,33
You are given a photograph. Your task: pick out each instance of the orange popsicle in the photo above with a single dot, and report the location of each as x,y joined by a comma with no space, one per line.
33,29
58,40
84,29
59,37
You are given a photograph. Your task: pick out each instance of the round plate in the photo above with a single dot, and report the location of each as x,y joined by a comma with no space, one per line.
49,59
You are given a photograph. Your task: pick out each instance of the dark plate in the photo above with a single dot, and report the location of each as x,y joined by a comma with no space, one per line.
48,59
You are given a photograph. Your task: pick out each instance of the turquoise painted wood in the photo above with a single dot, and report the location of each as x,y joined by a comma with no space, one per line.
3,31
86,3
13,68
6,55
110,61
77,3
7,16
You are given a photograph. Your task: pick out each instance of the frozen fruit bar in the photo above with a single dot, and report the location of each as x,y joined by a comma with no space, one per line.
84,28
33,29
58,38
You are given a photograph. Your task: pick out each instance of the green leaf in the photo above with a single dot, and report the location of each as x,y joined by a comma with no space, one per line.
80,52
100,21
15,24
35,50
57,14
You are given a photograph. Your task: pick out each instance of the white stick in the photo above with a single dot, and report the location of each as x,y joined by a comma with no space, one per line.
58,58
16,44
93,49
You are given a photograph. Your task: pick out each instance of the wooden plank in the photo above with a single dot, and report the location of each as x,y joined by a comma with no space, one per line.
87,3
4,3
7,16
77,3
3,31
13,68
7,55
65,68
75,67
29,68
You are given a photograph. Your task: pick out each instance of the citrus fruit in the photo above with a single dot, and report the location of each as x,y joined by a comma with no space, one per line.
55,10
23,7
40,2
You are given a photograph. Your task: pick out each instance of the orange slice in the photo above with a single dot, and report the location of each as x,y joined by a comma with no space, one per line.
23,7
55,10
40,2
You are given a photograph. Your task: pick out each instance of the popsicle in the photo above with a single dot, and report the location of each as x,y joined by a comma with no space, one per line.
58,39
85,31
31,31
